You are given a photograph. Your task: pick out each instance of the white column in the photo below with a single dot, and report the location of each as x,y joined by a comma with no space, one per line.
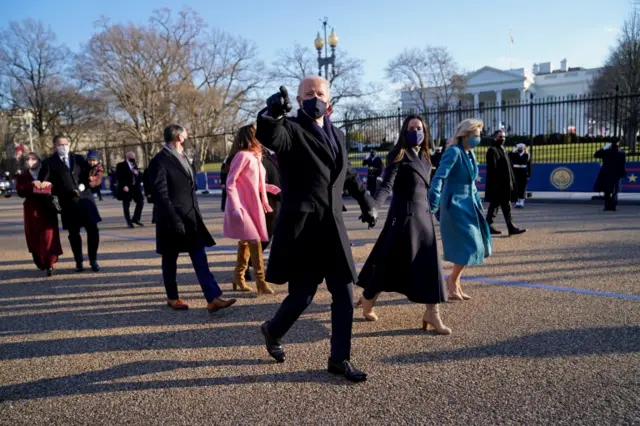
524,113
499,106
476,103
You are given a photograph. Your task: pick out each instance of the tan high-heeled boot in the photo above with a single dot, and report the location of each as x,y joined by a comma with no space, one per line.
432,318
242,263
367,308
258,266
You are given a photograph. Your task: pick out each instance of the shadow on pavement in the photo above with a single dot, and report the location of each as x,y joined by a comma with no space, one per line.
95,382
206,337
548,344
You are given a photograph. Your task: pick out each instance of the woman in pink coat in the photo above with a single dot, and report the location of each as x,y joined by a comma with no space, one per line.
244,216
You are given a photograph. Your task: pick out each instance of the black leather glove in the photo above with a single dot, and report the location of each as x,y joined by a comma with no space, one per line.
279,104
370,217
178,228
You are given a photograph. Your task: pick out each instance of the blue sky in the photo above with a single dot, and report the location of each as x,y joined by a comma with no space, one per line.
476,32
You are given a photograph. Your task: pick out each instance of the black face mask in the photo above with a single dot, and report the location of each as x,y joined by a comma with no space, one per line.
499,142
132,161
314,108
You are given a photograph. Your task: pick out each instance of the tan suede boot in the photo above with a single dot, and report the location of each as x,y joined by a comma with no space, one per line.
432,318
242,263
257,260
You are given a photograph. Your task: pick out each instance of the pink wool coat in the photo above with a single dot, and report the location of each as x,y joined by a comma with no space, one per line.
244,215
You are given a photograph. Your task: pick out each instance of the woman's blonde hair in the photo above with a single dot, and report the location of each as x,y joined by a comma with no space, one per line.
465,128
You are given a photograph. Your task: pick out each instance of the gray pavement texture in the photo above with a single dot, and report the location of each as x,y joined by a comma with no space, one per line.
94,349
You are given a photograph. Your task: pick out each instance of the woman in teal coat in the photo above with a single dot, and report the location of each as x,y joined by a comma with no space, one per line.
466,238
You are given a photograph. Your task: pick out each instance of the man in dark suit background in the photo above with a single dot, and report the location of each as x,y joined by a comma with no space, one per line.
613,169
374,164
179,224
310,243
68,174
500,188
130,188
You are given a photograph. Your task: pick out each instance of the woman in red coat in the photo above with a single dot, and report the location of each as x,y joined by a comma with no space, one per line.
40,225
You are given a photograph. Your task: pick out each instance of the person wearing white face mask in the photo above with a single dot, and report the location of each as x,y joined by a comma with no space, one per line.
40,223
68,176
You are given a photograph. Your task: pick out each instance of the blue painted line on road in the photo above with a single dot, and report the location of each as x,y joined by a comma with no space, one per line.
547,287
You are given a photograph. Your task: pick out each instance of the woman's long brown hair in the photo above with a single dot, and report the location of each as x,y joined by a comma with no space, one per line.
401,147
245,140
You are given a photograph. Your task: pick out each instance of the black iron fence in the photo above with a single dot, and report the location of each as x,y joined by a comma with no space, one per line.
216,147
557,130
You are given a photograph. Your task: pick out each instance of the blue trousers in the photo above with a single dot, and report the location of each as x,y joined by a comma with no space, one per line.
209,285
300,296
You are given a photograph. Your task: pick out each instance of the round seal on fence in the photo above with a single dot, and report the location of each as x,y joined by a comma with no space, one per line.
561,178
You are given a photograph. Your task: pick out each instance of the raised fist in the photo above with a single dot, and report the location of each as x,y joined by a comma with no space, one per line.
279,104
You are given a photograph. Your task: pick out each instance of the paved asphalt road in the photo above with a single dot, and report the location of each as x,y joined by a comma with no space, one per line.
551,336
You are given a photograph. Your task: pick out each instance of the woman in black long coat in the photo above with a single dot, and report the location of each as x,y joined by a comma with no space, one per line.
405,258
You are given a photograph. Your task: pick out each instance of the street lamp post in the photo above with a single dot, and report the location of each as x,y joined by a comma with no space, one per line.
28,117
320,43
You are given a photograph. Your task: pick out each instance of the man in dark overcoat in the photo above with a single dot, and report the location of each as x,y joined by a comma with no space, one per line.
374,171
500,188
130,188
179,224
310,243
68,174
613,169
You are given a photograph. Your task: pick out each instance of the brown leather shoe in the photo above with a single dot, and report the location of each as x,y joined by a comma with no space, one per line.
219,303
178,304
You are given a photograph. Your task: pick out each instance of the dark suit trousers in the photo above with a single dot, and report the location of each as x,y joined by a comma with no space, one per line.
137,213
200,263
505,205
93,241
224,199
611,198
300,296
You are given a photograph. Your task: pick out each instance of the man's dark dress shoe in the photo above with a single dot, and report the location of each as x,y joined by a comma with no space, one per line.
516,231
274,347
494,231
130,225
95,267
346,369
79,267
139,223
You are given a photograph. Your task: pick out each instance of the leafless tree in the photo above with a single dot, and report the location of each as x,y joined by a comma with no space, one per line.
291,66
36,75
430,75
138,67
622,70
217,97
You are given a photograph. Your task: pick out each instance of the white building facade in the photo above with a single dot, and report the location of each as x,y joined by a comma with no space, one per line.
501,99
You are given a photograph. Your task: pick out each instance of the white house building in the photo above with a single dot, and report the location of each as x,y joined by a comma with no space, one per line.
488,88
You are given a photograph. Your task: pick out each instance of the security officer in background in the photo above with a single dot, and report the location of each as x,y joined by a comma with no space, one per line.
374,163
613,169
521,162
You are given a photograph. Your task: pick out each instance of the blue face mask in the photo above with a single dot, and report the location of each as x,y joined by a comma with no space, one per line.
415,137
473,141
